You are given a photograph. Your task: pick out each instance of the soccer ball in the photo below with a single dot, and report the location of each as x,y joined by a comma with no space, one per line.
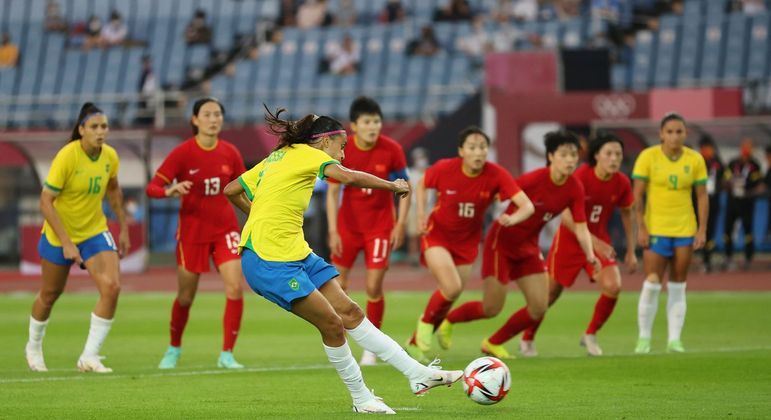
486,380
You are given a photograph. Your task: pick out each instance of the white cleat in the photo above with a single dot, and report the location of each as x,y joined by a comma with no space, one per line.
590,342
527,348
92,364
373,406
368,359
436,377
35,360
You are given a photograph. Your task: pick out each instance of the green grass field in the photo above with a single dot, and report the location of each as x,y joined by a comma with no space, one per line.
726,372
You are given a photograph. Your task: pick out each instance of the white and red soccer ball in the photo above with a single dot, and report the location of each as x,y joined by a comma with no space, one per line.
486,380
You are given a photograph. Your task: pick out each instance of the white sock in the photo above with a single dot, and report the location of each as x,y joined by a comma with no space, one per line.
96,335
387,349
343,361
37,330
647,307
676,307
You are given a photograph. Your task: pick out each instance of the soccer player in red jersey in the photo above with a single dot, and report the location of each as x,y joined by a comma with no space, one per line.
512,253
605,188
366,218
208,227
465,186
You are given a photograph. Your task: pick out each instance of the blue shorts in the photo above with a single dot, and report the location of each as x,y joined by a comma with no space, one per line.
665,245
284,282
88,248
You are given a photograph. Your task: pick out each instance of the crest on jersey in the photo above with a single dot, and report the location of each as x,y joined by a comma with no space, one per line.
484,194
686,168
107,167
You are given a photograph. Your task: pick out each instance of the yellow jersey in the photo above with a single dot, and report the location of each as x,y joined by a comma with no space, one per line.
280,188
80,183
669,207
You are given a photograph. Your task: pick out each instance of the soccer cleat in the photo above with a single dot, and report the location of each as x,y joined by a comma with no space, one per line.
590,342
373,406
170,358
415,353
368,359
444,334
423,335
227,361
495,350
527,348
92,364
643,346
435,377
35,360
675,346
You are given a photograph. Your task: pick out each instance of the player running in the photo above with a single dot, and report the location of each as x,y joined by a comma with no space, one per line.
605,188
75,231
365,220
668,173
466,186
207,228
280,266
512,253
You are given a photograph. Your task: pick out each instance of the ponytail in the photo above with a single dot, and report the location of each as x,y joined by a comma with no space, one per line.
304,131
86,111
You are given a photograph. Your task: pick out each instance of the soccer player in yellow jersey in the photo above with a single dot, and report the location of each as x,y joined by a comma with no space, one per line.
668,229
280,266
75,231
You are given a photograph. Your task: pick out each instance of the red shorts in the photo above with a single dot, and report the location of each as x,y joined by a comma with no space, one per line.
376,246
567,259
507,264
462,252
194,257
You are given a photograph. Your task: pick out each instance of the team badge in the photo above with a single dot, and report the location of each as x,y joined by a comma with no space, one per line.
686,168
107,167
294,284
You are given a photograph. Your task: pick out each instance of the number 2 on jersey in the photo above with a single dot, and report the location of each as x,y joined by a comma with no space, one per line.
594,217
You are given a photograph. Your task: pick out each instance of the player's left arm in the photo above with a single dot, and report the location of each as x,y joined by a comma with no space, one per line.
702,209
627,219
602,247
525,209
400,172
585,241
115,200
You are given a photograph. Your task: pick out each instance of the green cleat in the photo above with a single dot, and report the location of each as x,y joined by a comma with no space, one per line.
643,346
675,346
227,361
444,334
423,336
170,358
416,353
495,350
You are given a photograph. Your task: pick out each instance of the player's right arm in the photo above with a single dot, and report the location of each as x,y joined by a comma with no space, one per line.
641,175
47,197
360,179
333,204
164,176
601,247
421,201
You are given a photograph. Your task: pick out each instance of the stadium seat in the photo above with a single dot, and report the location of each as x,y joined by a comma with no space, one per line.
690,51
757,62
643,57
572,34
714,51
666,56
736,50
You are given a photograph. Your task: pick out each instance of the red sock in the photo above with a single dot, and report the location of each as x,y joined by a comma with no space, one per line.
602,310
231,323
412,340
437,309
529,334
375,309
179,315
516,324
469,311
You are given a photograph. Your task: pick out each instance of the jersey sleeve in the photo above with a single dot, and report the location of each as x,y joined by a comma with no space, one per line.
528,180
399,167
700,171
115,163
627,198
250,179
319,163
507,187
433,173
577,202
171,166
642,167
60,170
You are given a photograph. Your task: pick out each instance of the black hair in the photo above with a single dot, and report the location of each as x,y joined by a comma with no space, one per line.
706,140
364,105
554,139
301,131
86,111
601,139
672,116
768,150
472,129
199,104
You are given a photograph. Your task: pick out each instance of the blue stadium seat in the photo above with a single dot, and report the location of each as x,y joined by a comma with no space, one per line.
7,80
693,9
551,35
113,69
618,77
269,10
736,50
266,68
92,70
247,14
572,33
714,43
666,57
643,57
757,62
52,58
690,51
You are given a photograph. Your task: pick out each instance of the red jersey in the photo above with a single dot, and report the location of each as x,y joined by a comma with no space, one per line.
462,200
365,209
205,213
601,198
549,201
